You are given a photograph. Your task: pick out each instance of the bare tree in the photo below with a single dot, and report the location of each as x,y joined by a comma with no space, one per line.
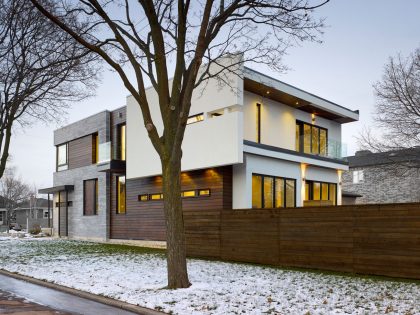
397,111
42,70
14,191
147,41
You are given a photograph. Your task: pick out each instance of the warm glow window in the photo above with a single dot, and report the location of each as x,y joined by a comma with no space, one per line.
62,157
195,118
311,139
273,192
95,148
321,191
121,194
122,141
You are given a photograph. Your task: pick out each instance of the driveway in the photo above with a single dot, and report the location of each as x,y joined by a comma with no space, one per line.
23,298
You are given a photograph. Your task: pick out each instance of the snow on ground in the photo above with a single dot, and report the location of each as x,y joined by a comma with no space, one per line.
138,276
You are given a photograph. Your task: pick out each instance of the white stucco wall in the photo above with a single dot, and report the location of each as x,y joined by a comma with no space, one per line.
242,177
216,141
278,122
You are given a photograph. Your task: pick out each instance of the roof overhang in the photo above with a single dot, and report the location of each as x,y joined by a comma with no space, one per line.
284,93
55,189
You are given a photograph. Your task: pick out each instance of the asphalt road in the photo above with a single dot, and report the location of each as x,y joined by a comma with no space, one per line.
23,298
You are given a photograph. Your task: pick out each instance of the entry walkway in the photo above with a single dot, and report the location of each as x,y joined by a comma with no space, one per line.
21,297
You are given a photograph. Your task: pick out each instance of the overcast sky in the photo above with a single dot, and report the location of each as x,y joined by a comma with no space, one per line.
360,37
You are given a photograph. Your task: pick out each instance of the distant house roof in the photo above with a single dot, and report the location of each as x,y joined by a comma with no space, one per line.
40,203
367,158
3,202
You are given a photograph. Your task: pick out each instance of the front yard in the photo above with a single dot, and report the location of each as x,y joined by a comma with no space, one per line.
138,276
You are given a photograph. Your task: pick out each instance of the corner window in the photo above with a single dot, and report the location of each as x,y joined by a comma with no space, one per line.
122,141
90,197
62,157
121,194
311,139
273,192
358,177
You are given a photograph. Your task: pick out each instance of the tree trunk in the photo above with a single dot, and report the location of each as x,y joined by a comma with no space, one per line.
175,237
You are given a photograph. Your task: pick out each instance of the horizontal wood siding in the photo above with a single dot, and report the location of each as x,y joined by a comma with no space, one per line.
145,220
369,239
80,152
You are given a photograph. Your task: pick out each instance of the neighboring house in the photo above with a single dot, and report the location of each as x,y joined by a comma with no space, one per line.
263,144
3,214
34,212
386,177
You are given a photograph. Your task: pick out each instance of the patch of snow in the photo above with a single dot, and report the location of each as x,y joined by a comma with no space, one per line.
217,287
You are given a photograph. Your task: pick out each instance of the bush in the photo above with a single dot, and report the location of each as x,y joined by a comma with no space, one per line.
36,229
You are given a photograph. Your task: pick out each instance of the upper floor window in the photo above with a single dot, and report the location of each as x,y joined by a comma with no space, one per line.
62,157
358,176
258,123
122,141
95,148
311,139
195,118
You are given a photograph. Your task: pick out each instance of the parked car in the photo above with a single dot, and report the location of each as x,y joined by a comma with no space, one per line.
15,226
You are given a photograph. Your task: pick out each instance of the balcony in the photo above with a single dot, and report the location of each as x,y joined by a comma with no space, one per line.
107,159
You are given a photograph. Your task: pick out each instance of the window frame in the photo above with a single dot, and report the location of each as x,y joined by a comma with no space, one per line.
258,122
122,154
358,176
301,138
285,179
65,166
117,199
95,200
310,192
95,148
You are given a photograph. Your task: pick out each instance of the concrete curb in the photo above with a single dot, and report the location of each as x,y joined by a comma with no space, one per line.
86,295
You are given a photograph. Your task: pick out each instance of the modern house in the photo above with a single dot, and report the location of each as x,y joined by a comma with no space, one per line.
254,143
385,177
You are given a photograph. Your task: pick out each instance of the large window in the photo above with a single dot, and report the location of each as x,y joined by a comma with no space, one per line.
311,139
273,192
121,141
62,157
90,197
321,191
121,194
258,123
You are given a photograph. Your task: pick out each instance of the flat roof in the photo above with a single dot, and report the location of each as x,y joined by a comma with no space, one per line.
282,92
55,189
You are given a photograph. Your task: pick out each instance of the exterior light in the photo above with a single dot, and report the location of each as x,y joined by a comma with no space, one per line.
268,92
313,119
297,103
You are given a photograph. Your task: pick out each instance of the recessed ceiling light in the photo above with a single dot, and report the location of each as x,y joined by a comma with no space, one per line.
268,92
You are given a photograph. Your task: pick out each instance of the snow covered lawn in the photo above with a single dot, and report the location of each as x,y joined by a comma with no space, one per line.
138,275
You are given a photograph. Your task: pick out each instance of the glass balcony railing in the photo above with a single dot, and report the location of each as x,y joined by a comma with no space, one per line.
104,152
336,150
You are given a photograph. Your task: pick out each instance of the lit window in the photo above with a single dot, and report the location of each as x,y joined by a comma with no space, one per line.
273,192
121,194
143,197
195,118
320,191
311,139
358,177
95,148
156,197
204,192
62,157
122,141
189,193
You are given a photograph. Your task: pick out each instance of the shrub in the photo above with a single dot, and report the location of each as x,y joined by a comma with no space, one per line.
36,229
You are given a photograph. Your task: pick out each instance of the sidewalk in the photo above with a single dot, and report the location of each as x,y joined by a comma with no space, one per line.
21,297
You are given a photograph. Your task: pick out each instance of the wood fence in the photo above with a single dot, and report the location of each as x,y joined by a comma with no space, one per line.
367,239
